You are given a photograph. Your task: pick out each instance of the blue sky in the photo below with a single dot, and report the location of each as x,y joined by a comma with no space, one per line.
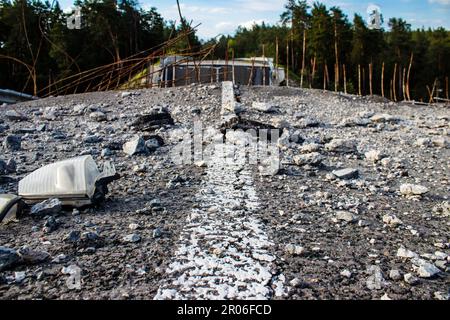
223,17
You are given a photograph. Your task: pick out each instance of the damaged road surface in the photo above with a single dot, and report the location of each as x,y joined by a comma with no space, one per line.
356,205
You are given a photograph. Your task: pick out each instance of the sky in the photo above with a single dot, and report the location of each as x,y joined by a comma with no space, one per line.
224,16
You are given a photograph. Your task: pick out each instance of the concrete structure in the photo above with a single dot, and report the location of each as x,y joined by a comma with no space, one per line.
182,71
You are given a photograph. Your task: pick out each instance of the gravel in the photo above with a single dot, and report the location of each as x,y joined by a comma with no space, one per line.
303,213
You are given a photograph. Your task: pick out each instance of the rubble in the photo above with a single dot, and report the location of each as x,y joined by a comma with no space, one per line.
48,207
135,146
413,190
347,173
264,224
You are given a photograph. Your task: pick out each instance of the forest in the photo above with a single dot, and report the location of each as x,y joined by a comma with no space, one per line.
321,47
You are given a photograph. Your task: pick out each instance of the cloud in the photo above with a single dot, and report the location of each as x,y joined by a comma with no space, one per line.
441,2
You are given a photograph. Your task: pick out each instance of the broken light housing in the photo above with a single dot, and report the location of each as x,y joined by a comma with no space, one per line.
10,206
76,182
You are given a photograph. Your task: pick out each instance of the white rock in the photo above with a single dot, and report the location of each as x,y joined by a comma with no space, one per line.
373,155
134,146
345,216
412,189
392,220
402,252
263,106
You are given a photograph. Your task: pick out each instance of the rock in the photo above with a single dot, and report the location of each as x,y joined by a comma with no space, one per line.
132,238
8,257
384,118
89,236
441,296
385,297
413,190
157,233
424,268
310,148
346,174
373,155
13,115
423,142
19,276
395,275
48,207
153,143
355,122
126,94
30,256
72,237
391,220
91,139
12,142
312,159
98,116
263,107
442,209
441,142
345,216
2,167
79,109
135,146
50,225
376,280
308,123
294,250
133,226
346,273
411,279
402,252
11,166
341,146
156,119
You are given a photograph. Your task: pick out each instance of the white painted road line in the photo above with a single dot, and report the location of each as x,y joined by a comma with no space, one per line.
223,251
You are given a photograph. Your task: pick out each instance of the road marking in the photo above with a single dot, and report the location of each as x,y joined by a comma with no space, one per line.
223,251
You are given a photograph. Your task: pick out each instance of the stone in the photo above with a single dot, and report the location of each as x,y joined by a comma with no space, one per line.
11,166
2,167
410,279
373,155
441,142
384,118
157,233
73,236
50,225
13,115
376,280
392,220
413,190
345,216
12,142
385,297
19,276
346,174
48,207
30,256
395,274
132,238
312,159
8,257
98,116
89,236
157,118
423,142
263,107
346,273
135,146
133,226
153,143
294,250
402,252
425,269
341,146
